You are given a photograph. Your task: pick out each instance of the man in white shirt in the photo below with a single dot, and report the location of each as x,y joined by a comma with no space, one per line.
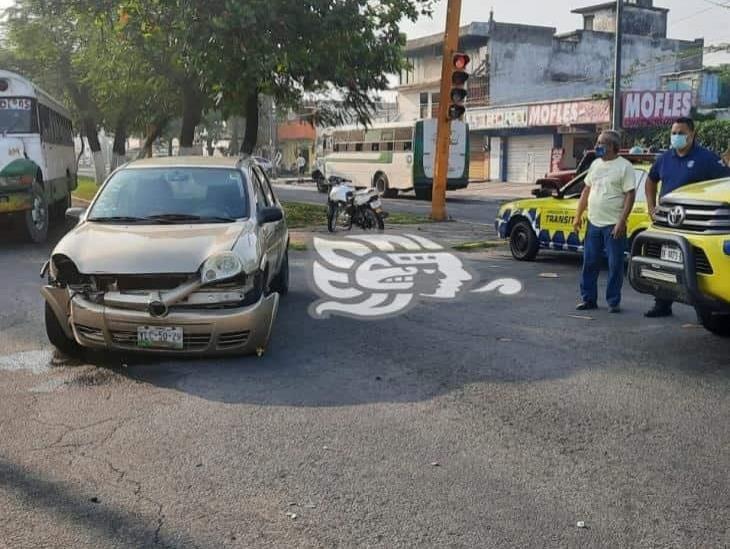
301,164
609,194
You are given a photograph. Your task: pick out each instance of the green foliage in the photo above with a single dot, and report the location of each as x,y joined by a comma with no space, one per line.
713,134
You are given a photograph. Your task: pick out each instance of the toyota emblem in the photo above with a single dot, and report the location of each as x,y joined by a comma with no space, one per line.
676,216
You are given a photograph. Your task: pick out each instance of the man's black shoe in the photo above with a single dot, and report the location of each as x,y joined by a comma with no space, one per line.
586,306
658,313
614,309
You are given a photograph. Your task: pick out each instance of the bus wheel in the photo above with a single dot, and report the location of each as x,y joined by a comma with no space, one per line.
424,194
36,219
383,187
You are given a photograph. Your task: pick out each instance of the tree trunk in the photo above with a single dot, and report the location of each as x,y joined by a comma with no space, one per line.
252,123
154,131
192,115
92,137
119,149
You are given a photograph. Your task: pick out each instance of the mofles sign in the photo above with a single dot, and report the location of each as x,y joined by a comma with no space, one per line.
569,113
653,108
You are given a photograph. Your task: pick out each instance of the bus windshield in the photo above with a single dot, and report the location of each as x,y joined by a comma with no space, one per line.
17,115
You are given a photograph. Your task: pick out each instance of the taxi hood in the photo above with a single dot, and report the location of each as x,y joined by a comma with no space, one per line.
710,191
98,248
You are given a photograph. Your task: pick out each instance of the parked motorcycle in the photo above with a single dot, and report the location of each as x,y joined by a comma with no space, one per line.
347,206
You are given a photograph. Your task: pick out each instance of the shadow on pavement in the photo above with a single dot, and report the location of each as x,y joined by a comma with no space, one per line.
109,525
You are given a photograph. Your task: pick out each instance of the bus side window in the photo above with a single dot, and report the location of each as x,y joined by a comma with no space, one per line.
336,148
375,147
358,147
408,146
45,116
389,146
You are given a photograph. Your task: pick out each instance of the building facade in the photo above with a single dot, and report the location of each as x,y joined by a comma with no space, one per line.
545,91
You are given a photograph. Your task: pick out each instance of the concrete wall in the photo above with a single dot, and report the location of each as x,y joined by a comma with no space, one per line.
636,21
526,70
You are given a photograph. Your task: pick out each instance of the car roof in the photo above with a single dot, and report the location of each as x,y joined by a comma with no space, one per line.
190,162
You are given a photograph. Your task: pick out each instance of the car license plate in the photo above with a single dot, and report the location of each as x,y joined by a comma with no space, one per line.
376,204
671,253
158,337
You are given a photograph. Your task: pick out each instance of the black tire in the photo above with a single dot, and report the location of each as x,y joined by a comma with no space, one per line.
58,337
334,211
382,185
372,221
718,324
36,220
424,194
523,241
280,283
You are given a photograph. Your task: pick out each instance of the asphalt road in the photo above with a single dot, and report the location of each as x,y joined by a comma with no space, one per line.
489,421
459,207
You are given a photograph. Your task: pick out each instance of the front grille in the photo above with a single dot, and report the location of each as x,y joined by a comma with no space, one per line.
653,249
130,283
702,218
233,339
191,342
702,263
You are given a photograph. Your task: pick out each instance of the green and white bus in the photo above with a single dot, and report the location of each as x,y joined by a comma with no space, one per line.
37,159
394,157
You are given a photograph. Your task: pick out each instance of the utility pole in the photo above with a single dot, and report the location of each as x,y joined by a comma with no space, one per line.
443,133
617,106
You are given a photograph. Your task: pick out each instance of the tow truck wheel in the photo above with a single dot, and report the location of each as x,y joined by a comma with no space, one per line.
58,337
523,242
718,324
36,219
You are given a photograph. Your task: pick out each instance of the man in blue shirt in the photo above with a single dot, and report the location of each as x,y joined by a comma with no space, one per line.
685,163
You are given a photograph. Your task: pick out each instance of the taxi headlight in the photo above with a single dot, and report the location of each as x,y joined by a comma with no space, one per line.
220,267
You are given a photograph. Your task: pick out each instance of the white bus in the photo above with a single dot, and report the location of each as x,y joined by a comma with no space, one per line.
394,157
37,160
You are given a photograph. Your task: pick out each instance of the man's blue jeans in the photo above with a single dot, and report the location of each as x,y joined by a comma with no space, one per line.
599,244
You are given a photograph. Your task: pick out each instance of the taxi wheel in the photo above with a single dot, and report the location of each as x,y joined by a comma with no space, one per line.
718,324
523,242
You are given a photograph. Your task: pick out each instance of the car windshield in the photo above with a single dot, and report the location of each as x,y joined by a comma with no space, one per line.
172,195
16,115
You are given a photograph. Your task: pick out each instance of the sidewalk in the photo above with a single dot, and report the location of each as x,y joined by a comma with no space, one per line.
496,190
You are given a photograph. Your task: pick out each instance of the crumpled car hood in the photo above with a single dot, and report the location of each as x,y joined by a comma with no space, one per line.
146,249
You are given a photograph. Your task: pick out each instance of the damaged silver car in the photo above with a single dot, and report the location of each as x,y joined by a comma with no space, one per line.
173,255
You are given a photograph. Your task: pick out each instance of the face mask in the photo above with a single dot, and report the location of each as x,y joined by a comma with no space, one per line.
600,151
679,141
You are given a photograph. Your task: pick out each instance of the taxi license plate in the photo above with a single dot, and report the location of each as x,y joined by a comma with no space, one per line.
671,253
156,337
376,204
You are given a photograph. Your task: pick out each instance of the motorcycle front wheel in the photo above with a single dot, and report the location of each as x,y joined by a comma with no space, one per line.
335,212
372,221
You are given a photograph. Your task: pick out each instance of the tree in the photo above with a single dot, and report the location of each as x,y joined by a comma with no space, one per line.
341,48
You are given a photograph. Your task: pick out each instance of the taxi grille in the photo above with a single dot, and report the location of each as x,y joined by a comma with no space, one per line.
653,249
709,218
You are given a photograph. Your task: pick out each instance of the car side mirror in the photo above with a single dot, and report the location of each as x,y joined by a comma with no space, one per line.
270,215
73,215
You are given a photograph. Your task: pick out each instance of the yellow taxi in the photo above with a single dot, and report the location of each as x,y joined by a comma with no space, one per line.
546,221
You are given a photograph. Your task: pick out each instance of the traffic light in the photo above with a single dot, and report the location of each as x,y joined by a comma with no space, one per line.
459,76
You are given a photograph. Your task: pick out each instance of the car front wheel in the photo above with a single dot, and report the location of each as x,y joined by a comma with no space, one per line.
717,323
58,337
523,242
280,284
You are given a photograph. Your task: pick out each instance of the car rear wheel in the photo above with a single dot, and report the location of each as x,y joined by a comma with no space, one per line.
58,337
718,324
523,242
37,218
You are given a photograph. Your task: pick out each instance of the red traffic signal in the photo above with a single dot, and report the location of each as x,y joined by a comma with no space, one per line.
458,94
461,60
